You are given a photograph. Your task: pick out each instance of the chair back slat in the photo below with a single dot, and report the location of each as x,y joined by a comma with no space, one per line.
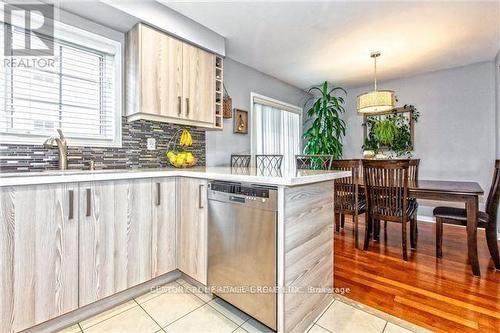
346,189
266,163
313,162
240,160
494,194
386,188
413,169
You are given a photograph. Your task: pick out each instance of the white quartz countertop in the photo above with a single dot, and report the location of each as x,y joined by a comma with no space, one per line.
249,175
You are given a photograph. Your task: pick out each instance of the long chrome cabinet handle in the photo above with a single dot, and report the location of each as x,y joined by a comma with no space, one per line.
89,202
179,105
187,106
158,194
71,203
200,199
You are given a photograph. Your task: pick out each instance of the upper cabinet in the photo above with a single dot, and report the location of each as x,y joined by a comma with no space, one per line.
171,81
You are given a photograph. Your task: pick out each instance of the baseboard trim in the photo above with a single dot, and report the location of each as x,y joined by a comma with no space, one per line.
430,219
90,310
425,218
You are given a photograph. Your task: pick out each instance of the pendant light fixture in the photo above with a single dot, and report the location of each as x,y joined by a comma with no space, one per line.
376,100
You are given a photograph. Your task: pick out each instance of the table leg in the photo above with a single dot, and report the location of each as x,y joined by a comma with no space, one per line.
472,208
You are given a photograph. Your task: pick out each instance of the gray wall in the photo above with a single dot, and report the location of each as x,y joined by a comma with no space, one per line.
456,133
497,90
240,81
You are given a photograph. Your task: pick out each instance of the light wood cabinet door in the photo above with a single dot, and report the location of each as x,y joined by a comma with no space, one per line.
38,254
164,254
198,84
161,73
115,237
192,231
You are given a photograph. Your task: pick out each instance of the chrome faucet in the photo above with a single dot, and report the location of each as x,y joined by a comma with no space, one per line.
60,142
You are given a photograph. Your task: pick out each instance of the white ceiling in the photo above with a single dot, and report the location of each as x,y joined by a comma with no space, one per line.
305,43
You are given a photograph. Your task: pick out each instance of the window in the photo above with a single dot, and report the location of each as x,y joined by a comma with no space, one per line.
276,129
80,93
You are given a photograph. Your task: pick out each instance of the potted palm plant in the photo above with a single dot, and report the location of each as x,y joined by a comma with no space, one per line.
327,129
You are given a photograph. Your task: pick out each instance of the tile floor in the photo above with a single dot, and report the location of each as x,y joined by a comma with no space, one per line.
179,307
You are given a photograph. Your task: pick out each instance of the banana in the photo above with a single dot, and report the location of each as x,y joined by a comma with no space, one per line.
185,139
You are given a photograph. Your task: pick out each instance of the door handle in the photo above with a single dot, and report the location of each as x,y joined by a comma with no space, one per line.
158,191
200,199
179,105
187,106
71,200
89,203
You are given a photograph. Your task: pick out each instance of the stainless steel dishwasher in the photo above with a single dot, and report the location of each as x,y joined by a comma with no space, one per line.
242,247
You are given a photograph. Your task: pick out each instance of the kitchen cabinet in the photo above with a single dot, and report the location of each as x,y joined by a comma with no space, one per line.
169,80
192,230
115,237
161,74
164,226
38,254
198,83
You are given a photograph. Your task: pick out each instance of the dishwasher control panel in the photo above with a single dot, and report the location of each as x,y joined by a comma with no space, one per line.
236,188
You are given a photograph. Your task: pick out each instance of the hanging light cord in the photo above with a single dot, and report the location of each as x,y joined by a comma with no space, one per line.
375,71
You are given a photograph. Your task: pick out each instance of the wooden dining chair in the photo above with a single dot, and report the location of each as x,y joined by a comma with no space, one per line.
240,160
313,162
486,220
412,177
386,191
348,199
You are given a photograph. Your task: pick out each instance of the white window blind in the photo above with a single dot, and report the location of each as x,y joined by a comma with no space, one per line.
276,130
78,94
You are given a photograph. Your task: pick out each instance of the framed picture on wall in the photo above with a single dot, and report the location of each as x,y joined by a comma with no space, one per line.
240,121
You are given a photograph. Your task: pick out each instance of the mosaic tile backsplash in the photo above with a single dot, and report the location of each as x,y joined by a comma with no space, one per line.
132,154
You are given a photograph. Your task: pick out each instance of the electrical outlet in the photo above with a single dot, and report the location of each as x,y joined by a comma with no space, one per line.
151,143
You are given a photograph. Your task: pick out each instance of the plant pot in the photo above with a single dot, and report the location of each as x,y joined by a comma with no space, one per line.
369,154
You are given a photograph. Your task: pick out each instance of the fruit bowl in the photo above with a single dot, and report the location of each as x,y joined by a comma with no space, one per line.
181,159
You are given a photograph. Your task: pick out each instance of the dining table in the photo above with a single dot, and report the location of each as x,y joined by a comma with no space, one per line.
453,191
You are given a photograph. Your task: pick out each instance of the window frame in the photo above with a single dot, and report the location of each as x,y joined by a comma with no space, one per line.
265,100
93,42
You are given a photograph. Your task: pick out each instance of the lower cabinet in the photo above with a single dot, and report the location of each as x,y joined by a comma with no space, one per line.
192,230
163,240
115,237
38,254
63,246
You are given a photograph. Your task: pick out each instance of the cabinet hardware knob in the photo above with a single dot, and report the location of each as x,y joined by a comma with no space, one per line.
200,199
71,200
158,194
89,203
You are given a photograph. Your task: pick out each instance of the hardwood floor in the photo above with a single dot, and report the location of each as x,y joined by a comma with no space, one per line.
439,294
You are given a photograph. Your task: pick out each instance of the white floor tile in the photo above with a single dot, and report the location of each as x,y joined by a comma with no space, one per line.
131,321
229,311
107,314
169,288
198,292
240,330
393,328
205,319
169,307
253,326
318,329
71,329
340,318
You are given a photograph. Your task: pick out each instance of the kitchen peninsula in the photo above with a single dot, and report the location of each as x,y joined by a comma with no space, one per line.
100,234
